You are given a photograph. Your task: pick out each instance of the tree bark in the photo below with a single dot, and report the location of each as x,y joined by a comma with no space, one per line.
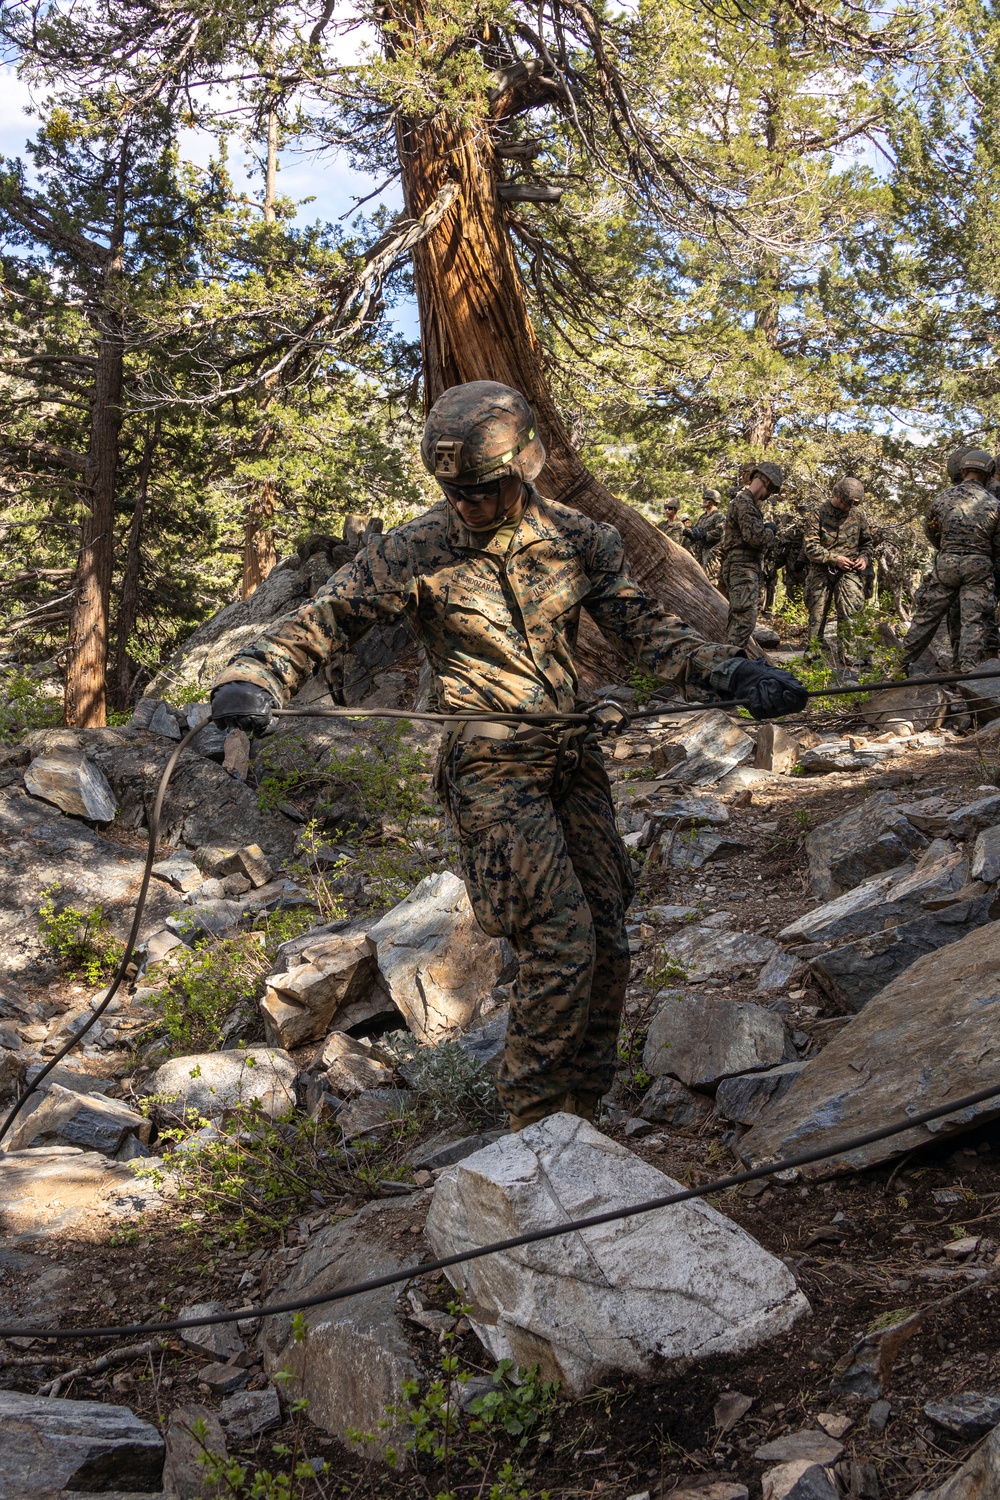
128,601
474,325
259,555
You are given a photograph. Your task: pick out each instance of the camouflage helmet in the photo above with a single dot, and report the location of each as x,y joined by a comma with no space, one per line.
954,464
481,431
712,495
849,489
773,473
977,459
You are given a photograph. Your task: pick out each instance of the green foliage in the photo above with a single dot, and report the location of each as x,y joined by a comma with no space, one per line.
448,1080
213,978
312,869
25,705
79,940
862,641
645,685
519,1402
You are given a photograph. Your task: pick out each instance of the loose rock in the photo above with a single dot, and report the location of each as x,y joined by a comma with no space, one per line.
979,1476
700,1039
74,784
218,1339
986,856
743,1098
249,1413
668,1102
180,872
682,1282
872,837
799,1480
251,862
184,1472
706,950
330,980
350,1067
808,1443
211,1083
704,748
970,1414
86,1120
435,962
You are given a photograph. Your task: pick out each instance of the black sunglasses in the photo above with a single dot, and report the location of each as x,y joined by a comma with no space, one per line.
473,494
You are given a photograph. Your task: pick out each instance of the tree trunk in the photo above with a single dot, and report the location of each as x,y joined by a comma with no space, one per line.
128,602
474,325
86,699
259,556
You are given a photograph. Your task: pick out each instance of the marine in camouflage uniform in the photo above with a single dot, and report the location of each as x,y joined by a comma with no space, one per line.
703,539
744,540
671,524
838,543
493,587
963,525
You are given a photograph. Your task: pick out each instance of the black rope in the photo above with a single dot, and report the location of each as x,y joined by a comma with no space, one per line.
534,1237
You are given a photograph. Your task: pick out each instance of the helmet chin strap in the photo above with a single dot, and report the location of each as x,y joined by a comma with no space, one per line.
497,520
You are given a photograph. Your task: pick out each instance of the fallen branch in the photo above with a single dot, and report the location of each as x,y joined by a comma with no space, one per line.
95,1366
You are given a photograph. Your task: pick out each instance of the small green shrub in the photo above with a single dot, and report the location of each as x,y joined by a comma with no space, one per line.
448,1080
24,705
213,978
644,685
79,940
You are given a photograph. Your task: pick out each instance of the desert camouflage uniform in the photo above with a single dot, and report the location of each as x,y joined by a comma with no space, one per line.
541,855
744,539
831,533
964,525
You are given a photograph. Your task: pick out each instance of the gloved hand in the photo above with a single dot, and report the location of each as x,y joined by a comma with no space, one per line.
767,691
242,705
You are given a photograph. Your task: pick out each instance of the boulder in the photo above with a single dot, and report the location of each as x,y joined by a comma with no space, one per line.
703,748
777,750
692,851
350,1067
355,1359
872,837
50,1445
706,950
741,1099
74,1119
853,972
435,962
667,1102
926,1038
898,896
250,861
701,1039
184,1472
220,1341
977,1479
210,1083
74,784
986,856
680,1282
920,707
330,980
983,697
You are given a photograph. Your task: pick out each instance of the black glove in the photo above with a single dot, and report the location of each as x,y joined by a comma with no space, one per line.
767,691
242,705
697,534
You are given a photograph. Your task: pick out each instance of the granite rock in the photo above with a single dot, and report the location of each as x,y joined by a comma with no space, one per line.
74,784
701,1039
211,1083
50,1445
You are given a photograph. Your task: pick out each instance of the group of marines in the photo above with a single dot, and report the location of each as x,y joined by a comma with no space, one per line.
738,548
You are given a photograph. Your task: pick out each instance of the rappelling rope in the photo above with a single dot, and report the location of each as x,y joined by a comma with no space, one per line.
720,1185
534,1237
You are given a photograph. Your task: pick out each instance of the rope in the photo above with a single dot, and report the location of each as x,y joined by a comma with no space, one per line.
534,1237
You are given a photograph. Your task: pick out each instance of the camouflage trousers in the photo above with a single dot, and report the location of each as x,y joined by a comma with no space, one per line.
743,589
545,867
841,595
965,579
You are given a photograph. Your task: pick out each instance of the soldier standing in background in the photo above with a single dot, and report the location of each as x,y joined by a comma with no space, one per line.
744,540
703,539
838,544
670,524
963,526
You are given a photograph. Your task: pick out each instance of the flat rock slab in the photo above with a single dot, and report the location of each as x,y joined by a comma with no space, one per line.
683,1282
809,1443
52,1445
969,1415
705,951
694,850
700,1039
933,1033
712,745
213,1082
983,697
889,899
74,784
922,707
681,813
353,1363
49,1191
871,838
435,962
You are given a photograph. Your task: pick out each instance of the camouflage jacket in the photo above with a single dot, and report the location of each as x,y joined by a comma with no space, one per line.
673,529
831,533
499,628
746,533
965,519
710,526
